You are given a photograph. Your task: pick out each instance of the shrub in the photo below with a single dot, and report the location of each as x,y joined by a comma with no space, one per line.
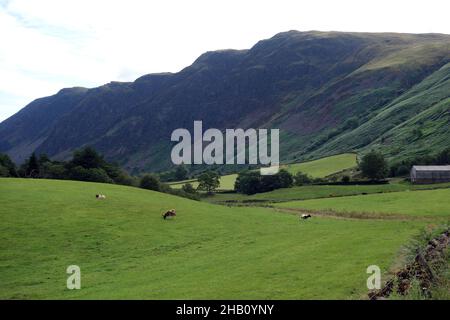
4,172
208,181
402,170
285,179
251,182
181,173
374,166
345,179
92,175
87,158
188,188
443,157
9,166
301,179
32,167
150,182
54,171
248,182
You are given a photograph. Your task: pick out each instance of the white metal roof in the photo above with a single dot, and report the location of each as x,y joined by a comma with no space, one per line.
432,168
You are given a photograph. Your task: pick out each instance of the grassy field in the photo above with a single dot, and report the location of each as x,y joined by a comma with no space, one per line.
318,169
126,250
417,203
323,167
226,182
318,191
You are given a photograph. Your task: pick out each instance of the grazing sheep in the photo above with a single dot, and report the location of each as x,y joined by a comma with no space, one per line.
305,216
100,196
170,213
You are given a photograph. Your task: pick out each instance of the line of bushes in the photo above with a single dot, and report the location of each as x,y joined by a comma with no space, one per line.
86,165
373,166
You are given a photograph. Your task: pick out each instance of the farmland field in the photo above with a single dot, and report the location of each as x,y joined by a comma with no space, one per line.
126,250
325,166
416,203
226,182
317,168
318,191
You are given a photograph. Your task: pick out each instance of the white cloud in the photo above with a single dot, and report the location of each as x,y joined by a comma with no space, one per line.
49,44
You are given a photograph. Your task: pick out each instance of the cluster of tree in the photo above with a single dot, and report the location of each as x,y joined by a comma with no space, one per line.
153,182
86,165
403,168
178,174
301,179
251,182
208,181
7,167
374,166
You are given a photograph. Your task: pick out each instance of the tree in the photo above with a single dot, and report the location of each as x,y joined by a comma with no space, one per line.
208,181
248,182
181,173
118,175
443,157
87,158
188,188
4,172
9,167
43,158
402,170
150,182
251,182
301,179
93,174
32,166
374,166
345,179
55,170
285,179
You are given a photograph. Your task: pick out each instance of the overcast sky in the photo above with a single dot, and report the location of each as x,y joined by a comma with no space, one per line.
46,45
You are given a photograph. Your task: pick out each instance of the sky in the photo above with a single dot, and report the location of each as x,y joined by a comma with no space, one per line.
47,45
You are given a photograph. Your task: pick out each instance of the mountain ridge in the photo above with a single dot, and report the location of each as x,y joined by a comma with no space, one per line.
306,83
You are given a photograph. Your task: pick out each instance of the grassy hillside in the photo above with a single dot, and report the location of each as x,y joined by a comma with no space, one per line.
126,250
317,168
417,203
226,182
418,119
323,167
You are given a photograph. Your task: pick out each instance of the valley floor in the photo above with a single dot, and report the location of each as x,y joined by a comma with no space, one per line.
126,250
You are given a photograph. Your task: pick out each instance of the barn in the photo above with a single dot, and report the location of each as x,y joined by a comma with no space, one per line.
430,174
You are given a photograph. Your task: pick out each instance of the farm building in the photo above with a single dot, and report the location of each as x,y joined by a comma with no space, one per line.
430,174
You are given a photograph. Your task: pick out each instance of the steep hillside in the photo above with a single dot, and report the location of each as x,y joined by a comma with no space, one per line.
415,123
21,134
328,92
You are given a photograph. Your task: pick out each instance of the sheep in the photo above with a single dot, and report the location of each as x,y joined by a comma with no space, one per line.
170,213
100,196
305,216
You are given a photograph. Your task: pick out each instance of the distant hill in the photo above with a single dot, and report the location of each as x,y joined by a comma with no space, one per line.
328,92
